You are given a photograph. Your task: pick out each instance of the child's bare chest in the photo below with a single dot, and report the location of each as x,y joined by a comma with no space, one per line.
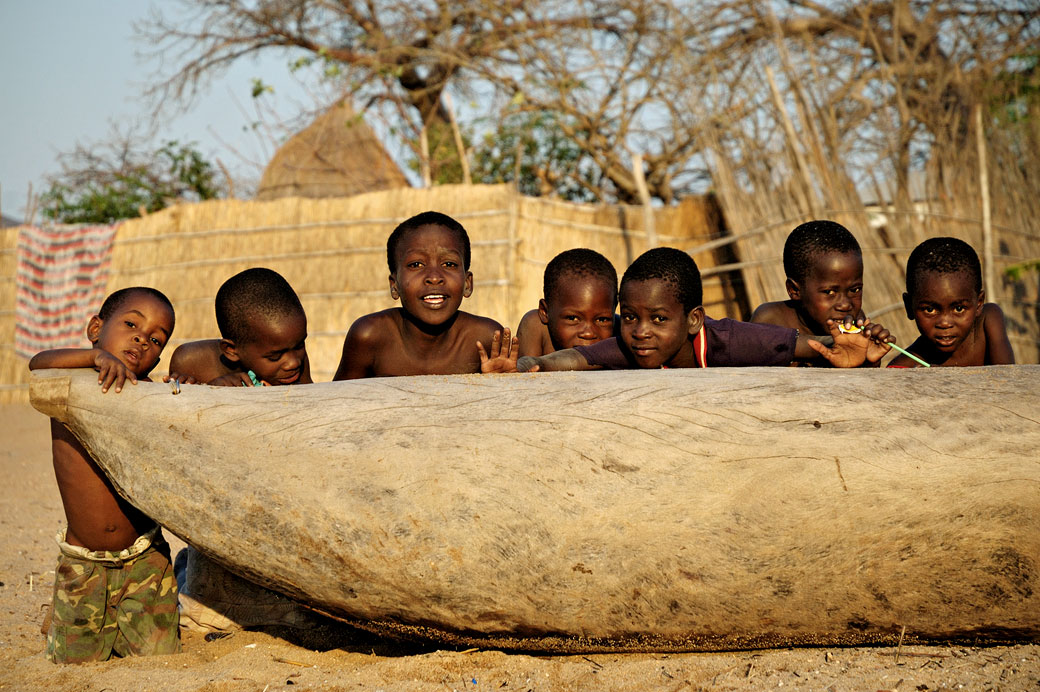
449,357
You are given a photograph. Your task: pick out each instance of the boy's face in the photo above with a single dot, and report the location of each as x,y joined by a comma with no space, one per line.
945,307
581,311
832,289
276,351
654,326
430,279
135,332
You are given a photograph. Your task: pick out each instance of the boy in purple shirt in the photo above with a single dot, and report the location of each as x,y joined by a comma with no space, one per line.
663,326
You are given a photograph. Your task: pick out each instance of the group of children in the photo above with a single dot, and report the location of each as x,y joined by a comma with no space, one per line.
114,588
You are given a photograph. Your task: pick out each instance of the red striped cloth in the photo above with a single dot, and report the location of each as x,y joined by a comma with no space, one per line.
60,281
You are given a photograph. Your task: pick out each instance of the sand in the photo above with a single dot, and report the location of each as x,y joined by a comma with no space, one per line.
335,657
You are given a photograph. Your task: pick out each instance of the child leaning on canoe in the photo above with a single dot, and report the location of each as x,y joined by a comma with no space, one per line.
115,592
114,588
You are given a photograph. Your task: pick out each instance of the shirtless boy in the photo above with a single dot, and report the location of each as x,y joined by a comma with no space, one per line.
263,333
824,267
428,256
944,296
579,292
663,326
114,589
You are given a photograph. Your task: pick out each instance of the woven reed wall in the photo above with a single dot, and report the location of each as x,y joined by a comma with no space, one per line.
333,252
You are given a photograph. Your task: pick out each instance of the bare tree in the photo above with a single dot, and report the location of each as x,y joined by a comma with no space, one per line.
599,66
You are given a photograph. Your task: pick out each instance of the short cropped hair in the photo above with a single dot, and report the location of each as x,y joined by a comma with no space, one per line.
427,218
117,298
580,262
674,267
810,241
256,292
943,256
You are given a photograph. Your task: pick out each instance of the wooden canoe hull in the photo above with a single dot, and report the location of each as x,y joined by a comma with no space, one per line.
667,510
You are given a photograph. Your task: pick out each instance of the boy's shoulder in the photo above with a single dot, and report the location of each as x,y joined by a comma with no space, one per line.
199,359
994,330
533,336
375,326
781,313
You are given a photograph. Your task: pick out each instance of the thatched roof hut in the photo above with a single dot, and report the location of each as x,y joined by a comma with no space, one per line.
338,155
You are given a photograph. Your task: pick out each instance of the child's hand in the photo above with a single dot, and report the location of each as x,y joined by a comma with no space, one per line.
504,351
179,378
849,350
112,371
878,346
235,379
528,364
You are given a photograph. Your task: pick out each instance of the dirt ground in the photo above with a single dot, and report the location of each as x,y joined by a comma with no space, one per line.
333,657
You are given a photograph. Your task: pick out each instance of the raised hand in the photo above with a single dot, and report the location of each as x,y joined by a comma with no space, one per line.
503,355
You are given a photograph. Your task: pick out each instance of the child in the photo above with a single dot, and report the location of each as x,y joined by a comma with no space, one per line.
824,267
944,296
663,326
580,296
263,333
428,256
114,589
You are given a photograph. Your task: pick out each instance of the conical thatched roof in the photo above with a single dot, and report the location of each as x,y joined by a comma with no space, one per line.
337,155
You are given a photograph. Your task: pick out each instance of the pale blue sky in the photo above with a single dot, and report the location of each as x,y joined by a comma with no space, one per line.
69,69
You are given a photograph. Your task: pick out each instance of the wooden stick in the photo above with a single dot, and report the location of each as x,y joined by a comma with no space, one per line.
459,146
644,198
988,264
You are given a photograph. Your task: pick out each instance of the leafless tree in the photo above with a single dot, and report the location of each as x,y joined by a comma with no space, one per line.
598,65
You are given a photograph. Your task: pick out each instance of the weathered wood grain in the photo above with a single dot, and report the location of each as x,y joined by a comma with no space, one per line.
652,510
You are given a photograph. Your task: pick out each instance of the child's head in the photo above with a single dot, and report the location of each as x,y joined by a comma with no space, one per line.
133,325
944,291
660,306
262,325
580,295
428,256
824,267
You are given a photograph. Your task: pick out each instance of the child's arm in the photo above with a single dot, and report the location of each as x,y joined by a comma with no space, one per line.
111,370
503,356
567,359
998,346
236,379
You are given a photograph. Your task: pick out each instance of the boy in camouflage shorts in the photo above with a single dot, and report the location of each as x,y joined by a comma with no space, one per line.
108,603
114,589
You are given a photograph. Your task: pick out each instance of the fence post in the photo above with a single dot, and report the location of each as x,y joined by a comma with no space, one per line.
988,263
644,198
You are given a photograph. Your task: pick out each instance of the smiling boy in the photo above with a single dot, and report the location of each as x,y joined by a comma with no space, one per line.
114,588
944,297
663,326
428,256
263,331
579,292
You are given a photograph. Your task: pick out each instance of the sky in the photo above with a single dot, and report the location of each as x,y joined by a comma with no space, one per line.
69,70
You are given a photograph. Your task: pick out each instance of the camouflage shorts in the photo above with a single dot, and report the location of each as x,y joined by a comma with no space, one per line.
113,604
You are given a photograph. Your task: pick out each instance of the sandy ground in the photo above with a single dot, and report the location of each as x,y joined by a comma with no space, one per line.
333,657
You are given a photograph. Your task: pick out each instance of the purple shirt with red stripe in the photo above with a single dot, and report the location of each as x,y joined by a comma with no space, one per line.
721,343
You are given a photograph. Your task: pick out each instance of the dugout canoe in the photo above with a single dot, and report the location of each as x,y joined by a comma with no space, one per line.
665,510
